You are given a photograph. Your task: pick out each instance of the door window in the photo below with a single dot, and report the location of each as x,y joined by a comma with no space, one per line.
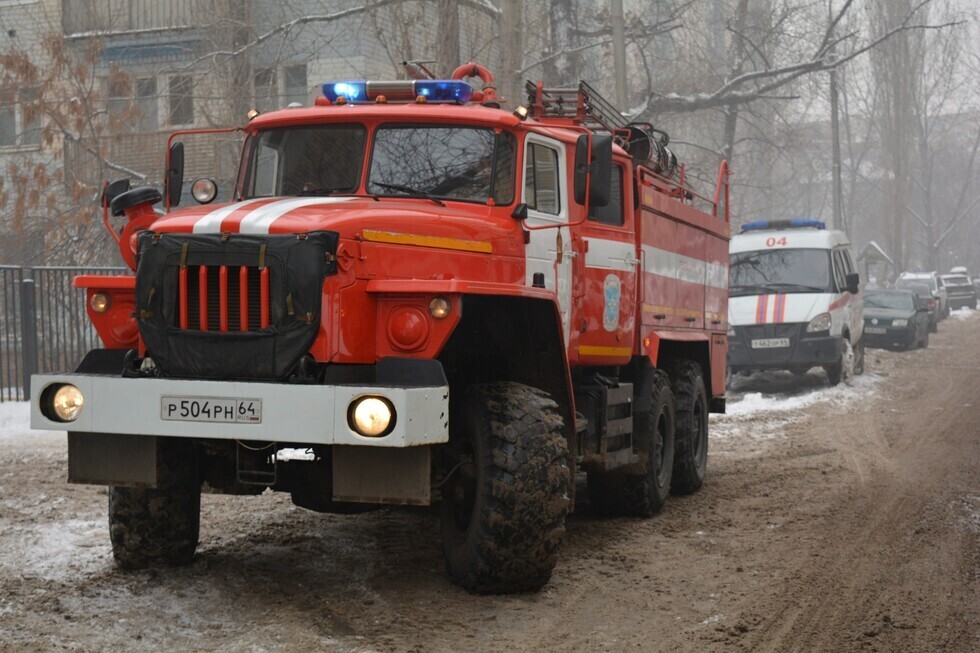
611,213
541,182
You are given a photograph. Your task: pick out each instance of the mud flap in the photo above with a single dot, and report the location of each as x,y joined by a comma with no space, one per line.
382,475
112,459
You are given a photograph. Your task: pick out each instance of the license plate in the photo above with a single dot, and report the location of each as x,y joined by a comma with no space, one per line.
875,330
770,343
211,409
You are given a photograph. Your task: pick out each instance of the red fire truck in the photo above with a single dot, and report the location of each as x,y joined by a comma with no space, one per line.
414,297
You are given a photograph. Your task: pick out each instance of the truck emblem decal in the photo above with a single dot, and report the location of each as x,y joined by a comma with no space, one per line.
610,313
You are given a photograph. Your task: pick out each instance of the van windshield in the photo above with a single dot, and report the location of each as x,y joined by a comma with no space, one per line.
780,271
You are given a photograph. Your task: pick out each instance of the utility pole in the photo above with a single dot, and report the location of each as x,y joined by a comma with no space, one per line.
837,190
619,53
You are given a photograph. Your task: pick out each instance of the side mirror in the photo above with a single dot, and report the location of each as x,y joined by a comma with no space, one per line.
600,179
520,212
853,282
173,180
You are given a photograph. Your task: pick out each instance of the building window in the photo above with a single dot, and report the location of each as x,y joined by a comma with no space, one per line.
294,85
266,90
181,100
146,104
20,118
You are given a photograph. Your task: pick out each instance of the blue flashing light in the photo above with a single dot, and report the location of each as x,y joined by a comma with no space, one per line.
771,225
444,90
433,90
350,91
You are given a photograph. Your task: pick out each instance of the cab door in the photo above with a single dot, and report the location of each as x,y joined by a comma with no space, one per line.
545,191
607,280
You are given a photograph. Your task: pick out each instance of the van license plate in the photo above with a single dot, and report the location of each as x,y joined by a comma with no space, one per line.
876,330
211,409
770,343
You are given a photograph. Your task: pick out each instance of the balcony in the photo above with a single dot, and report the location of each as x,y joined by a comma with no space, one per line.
90,17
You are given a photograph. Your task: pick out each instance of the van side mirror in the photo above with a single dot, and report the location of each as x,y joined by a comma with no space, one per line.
853,283
520,212
173,180
600,179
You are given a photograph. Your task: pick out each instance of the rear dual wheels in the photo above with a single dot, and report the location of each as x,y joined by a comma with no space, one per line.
505,496
642,490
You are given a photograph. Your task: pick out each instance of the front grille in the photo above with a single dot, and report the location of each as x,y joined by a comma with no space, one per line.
222,298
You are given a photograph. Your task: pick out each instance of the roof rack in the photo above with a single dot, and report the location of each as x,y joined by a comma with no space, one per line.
582,105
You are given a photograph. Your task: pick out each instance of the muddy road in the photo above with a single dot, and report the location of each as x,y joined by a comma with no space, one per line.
832,520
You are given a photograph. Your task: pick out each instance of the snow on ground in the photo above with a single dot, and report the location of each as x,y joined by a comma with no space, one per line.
15,419
761,405
963,314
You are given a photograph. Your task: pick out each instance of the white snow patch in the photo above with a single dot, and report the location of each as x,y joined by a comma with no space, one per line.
764,414
713,619
15,418
59,549
963,314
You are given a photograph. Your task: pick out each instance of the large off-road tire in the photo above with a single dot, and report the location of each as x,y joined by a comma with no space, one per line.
691,439
843,369
642,490
158,525
505,498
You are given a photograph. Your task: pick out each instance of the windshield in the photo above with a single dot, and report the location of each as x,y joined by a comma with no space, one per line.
316,160
780,271
955,280
908,281
893,300
460,163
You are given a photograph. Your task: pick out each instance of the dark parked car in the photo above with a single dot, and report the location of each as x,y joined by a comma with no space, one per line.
961,292
895,318
927,297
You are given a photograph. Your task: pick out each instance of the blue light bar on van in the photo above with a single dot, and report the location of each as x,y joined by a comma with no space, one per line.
795,223
433,90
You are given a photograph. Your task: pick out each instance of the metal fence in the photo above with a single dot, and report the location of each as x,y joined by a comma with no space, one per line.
43,324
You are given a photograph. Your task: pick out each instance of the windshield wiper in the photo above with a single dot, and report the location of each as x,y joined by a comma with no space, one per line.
415,192
748,288
796,285
321,191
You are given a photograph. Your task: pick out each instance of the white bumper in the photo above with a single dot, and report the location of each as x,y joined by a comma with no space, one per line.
306,414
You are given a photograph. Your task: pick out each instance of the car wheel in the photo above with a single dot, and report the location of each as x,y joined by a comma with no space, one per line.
843,369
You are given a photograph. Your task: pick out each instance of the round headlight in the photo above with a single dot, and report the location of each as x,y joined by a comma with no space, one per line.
204,191
99,302
371,416
67,402
439,307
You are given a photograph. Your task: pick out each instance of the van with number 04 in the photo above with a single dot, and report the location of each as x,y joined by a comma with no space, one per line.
794,300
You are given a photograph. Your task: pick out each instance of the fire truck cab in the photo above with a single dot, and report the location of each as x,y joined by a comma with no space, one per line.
415,297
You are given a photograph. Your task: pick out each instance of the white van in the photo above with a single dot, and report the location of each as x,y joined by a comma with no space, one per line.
794,301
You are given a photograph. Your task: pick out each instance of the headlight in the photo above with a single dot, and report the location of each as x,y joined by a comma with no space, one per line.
439,308
900,323
99,302
62,403
371,416
819,323
204,191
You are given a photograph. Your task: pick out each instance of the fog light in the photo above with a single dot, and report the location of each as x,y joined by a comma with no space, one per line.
204,191
99,302
66,403
371,416
439,307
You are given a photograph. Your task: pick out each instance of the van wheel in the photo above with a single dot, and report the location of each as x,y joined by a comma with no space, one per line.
843,369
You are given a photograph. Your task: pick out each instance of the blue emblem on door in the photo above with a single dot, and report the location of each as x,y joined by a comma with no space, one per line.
610,313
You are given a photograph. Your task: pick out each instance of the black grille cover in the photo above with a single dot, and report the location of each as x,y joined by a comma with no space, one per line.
298,264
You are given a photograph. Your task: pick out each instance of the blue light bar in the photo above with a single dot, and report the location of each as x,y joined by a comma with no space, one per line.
443,90
350,91
433,90
795,223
